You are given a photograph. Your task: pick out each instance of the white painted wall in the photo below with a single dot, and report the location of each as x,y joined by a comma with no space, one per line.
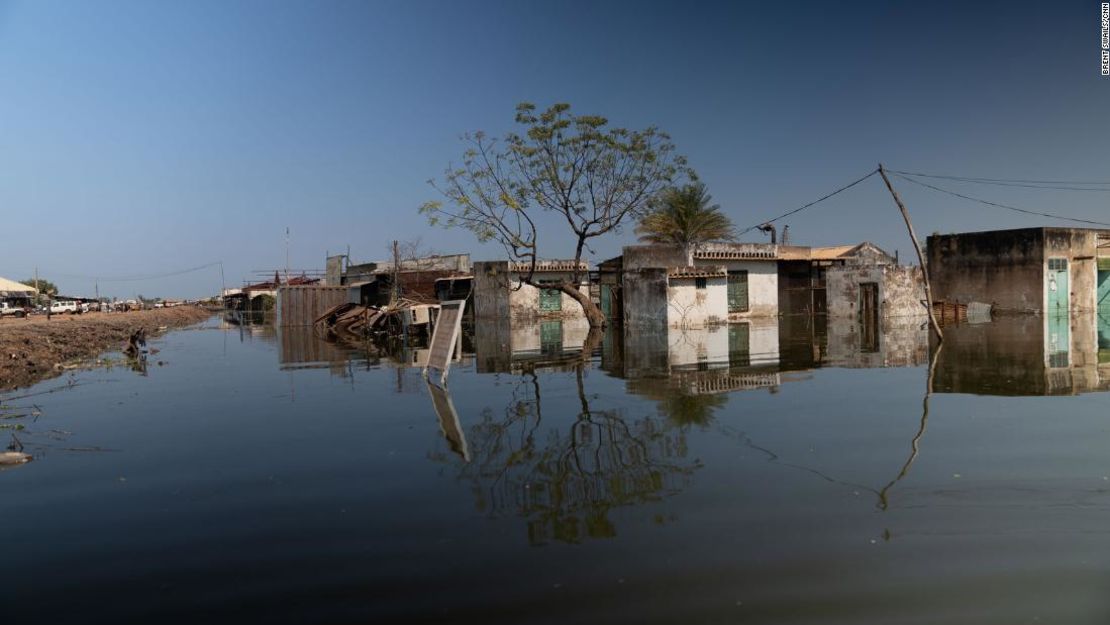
525,302
763,285
691,307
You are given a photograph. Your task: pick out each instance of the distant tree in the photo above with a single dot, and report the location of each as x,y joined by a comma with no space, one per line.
685,217
574,166
45,286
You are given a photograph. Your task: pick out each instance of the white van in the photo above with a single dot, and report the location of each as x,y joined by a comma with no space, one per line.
63,306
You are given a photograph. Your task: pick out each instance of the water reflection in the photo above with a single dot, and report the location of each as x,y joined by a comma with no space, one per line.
1027,356
1022,355
564,475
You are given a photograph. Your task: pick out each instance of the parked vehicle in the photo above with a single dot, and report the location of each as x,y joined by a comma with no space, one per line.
9,310
62,306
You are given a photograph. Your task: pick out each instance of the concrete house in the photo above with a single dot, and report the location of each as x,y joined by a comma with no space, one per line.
500,294
1033,270
728,282
802,273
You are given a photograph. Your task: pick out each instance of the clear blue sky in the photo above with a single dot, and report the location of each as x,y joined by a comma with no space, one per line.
151,136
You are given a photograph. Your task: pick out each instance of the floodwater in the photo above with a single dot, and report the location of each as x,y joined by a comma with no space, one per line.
785,472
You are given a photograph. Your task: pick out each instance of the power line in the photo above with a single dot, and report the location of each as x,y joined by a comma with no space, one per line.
1006,206
1066,185
138,278
802,208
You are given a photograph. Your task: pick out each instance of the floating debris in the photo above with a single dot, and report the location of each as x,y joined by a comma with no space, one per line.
8,458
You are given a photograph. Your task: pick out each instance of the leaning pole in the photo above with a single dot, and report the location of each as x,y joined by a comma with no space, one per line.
920,256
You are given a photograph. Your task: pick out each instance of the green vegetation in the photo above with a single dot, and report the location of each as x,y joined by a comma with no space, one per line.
592,178
685,217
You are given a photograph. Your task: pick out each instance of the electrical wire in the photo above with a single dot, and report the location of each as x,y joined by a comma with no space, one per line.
138,278
1006,206
817,201
1066,185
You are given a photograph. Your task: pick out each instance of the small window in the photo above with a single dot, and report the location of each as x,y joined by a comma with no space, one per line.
738,291
1057,264
699,283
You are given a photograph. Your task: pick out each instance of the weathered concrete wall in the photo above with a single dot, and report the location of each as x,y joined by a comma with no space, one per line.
645,299
524,302
1004,268
763,286
638,257
901,290
1079,246
691,307
491,289
763,279
333,275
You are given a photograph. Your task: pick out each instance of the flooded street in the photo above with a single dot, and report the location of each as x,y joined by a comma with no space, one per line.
790,472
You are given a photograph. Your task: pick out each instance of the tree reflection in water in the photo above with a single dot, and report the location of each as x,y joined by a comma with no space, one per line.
682,409
565,476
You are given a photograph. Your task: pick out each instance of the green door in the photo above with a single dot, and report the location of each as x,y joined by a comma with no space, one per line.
606,301
1057,285
737,291
1104,284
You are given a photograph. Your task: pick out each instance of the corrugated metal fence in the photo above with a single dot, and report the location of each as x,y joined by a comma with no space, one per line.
301,305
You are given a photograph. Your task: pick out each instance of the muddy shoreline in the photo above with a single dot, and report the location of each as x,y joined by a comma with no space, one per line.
36,349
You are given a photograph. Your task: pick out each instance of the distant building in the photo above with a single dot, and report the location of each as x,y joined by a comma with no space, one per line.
15,293
420,279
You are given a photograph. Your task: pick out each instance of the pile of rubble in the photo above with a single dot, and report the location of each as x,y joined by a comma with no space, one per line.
358,322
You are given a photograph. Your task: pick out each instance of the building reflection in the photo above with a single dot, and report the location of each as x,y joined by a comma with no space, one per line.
1027,355
566,472
1018,355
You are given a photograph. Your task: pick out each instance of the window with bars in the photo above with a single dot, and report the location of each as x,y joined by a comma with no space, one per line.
551,300
738,291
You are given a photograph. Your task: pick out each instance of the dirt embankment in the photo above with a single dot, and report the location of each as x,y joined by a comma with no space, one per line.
35,348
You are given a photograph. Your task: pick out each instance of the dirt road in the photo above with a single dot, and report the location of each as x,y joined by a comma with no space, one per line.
35,348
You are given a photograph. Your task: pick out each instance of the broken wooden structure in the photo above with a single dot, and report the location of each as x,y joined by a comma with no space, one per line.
359,322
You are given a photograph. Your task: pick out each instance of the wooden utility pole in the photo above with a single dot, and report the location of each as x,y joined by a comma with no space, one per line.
920,255
396,273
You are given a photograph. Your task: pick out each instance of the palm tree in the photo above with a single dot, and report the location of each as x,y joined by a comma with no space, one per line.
684,217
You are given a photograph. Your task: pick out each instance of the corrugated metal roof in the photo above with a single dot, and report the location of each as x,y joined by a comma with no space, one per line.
11,287
831,253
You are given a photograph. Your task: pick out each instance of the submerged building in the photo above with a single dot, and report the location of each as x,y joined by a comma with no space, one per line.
759,282
727,282
501,293
1028,270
